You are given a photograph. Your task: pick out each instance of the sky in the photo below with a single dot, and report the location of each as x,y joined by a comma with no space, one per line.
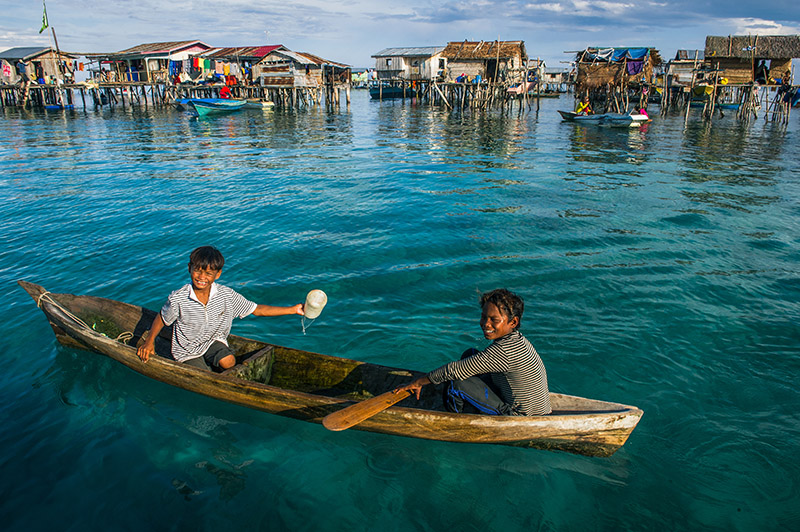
351,31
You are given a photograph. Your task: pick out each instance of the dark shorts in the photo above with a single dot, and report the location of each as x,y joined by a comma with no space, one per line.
210,359
475,395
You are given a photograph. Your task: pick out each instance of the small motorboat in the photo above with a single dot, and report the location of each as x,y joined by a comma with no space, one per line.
390,91
206,106
631,119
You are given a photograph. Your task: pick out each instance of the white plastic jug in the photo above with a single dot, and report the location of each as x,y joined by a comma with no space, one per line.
315,302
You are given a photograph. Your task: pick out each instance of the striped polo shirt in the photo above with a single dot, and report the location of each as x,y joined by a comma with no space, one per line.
197,326
515,368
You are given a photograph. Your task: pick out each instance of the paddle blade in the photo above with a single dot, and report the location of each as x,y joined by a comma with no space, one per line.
355,414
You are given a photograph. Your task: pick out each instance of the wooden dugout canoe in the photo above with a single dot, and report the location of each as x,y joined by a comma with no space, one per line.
308,386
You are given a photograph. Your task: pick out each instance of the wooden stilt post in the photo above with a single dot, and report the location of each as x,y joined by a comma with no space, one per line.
691,89
714,93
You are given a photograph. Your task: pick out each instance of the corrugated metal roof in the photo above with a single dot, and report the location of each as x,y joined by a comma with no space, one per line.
295,56
27,52
409,51
321,61
305,58
243,52
155,48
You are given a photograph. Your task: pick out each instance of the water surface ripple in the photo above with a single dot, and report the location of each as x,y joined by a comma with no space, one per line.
659,268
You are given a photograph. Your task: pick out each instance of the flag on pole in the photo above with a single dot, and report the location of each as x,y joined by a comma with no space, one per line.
44,18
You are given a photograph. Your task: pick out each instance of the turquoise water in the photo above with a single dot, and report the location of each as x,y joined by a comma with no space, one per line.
659,268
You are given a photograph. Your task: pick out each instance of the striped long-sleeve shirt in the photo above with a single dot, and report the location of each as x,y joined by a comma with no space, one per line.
515,368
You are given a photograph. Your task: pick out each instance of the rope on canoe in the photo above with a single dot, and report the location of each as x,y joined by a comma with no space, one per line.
122,338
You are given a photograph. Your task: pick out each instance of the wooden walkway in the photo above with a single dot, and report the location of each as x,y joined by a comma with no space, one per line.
126,94
480,96
484,95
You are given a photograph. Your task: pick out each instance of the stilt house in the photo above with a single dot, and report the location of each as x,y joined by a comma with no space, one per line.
332,73
283,68
555,79
238,63
410,64
739,58
615,67
679,70
491,60
151,62
42,64
610,75
537,68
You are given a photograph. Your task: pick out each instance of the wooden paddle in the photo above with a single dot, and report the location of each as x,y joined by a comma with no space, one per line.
355,414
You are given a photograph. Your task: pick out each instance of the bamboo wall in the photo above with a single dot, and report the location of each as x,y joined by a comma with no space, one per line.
779,66
741,71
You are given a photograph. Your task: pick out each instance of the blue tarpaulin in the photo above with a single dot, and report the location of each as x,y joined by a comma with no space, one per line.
629,53
619,54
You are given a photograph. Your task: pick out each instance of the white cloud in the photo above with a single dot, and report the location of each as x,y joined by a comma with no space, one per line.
600,7
616,8
757,26
555,8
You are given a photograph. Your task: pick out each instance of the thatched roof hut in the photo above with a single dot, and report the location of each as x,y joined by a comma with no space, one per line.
760,46
489,59
739,56
615,67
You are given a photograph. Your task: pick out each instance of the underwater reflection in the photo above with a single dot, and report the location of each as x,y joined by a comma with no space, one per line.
607,145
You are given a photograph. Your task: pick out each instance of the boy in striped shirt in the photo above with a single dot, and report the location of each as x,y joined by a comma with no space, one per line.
507,378
202,313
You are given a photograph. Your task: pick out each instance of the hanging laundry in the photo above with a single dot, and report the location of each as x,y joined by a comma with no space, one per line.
634,67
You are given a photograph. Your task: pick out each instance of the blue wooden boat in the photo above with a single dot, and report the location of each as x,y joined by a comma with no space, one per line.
205,106
729,106
631,119
378,93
